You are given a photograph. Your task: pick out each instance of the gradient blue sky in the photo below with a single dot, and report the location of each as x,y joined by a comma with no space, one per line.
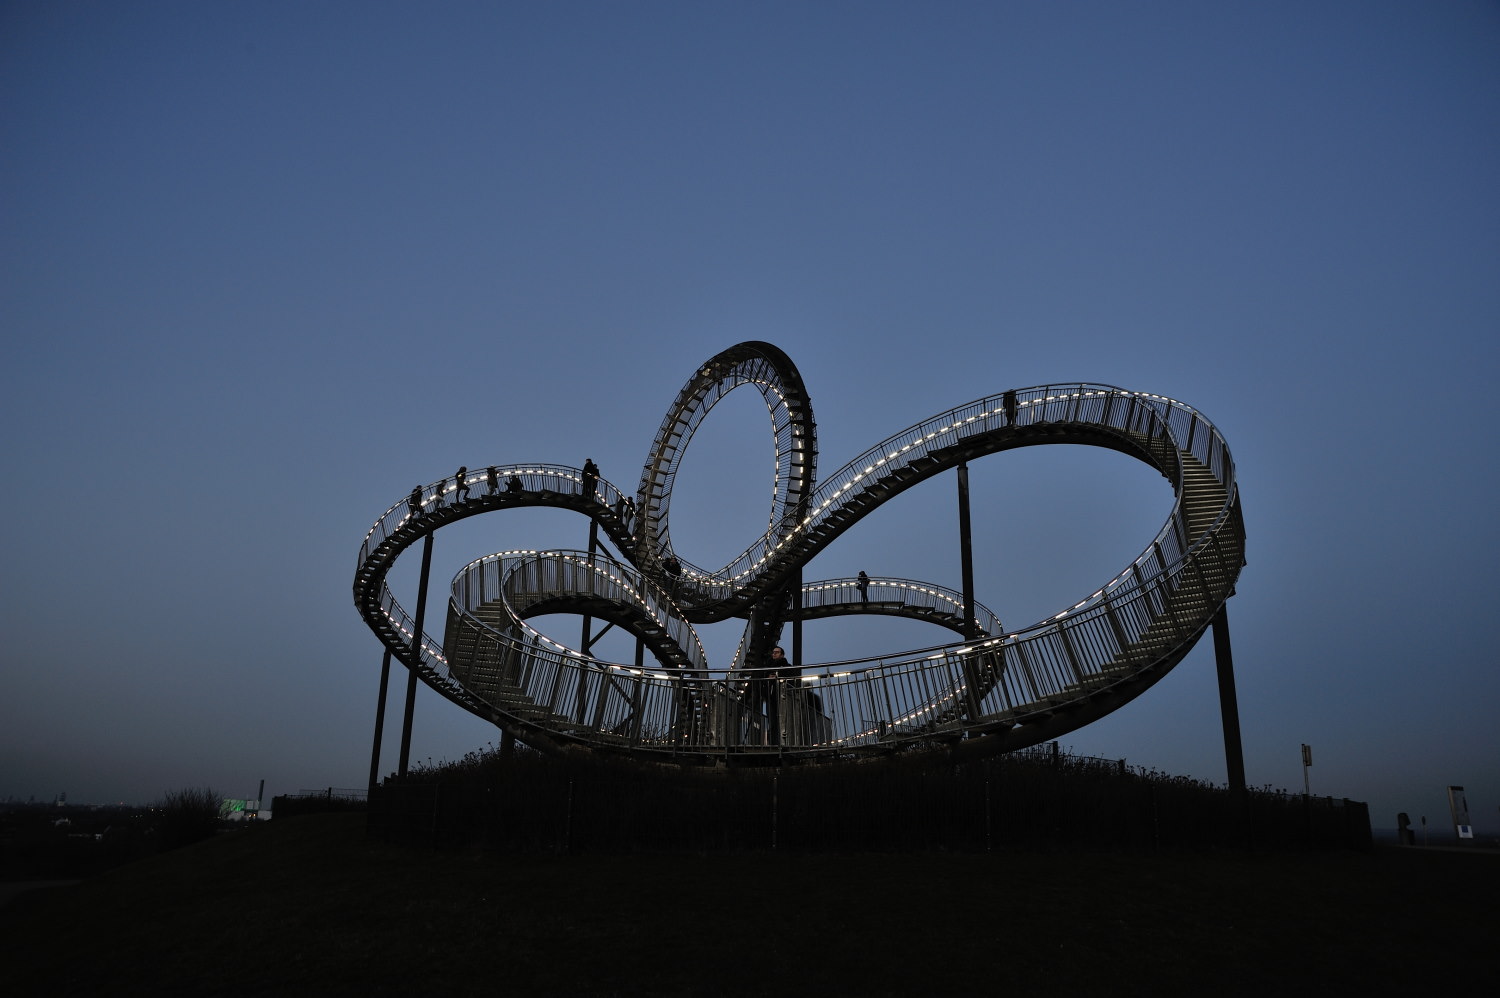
265,267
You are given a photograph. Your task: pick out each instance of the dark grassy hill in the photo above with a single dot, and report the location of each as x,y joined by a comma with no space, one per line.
309,906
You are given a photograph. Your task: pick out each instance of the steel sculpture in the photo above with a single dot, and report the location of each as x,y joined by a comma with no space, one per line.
993,691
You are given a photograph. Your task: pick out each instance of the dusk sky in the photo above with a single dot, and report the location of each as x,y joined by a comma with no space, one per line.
264,267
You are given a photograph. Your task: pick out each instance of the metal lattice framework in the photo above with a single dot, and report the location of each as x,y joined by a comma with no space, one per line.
994,691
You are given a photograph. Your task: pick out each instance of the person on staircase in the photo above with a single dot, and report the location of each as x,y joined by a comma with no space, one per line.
590,477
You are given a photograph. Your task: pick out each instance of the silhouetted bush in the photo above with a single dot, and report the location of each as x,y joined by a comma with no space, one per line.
183,817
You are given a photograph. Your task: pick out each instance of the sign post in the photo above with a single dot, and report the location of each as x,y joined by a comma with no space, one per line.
1460,808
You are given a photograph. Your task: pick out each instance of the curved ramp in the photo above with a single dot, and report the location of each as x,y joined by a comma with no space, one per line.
1001,691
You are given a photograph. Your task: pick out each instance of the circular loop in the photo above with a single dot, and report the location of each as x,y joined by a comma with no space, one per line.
772,373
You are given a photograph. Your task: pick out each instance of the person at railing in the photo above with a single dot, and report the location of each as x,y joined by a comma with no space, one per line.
460,483
863,585
763,693
1008,400
414,501
625,513
513,484
590,477
673,568
492,478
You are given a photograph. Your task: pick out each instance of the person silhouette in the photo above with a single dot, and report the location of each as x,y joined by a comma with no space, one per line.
863,585
460,486
590,477
765,693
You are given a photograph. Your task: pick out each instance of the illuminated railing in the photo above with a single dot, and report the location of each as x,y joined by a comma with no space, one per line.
516,582
835,707
973,425
517,484
906,594
770,372
1135,626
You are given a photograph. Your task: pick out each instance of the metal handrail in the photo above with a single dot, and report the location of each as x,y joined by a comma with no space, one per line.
908,592
957,426
1131,626
503,579
535,480
877,699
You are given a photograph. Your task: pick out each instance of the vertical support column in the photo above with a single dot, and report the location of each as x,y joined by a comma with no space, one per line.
966,562
795,717
385,681
966,550
586,643
797,621
1234,755
638,695
411,673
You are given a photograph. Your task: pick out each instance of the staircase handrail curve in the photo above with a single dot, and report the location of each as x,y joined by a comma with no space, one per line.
1129,576
537,480
1050,625
1102,641
397,528
928,594
910,444
643,594
1115,591
541,479
1209,446
913,722
1027,690
432,663
837,493
509,566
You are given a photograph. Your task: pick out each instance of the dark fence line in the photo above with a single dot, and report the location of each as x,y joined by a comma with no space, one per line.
318,801
1037,800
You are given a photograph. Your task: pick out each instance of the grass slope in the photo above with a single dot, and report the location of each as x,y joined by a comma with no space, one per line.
308,906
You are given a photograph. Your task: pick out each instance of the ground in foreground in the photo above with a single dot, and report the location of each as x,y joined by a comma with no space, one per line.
310,906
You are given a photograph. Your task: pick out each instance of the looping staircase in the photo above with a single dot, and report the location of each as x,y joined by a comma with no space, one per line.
995,692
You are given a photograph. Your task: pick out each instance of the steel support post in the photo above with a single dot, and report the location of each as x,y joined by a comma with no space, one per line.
411,674
793,683
966,550
587,642
966,562
797,621
385,682
638,695
1234,754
